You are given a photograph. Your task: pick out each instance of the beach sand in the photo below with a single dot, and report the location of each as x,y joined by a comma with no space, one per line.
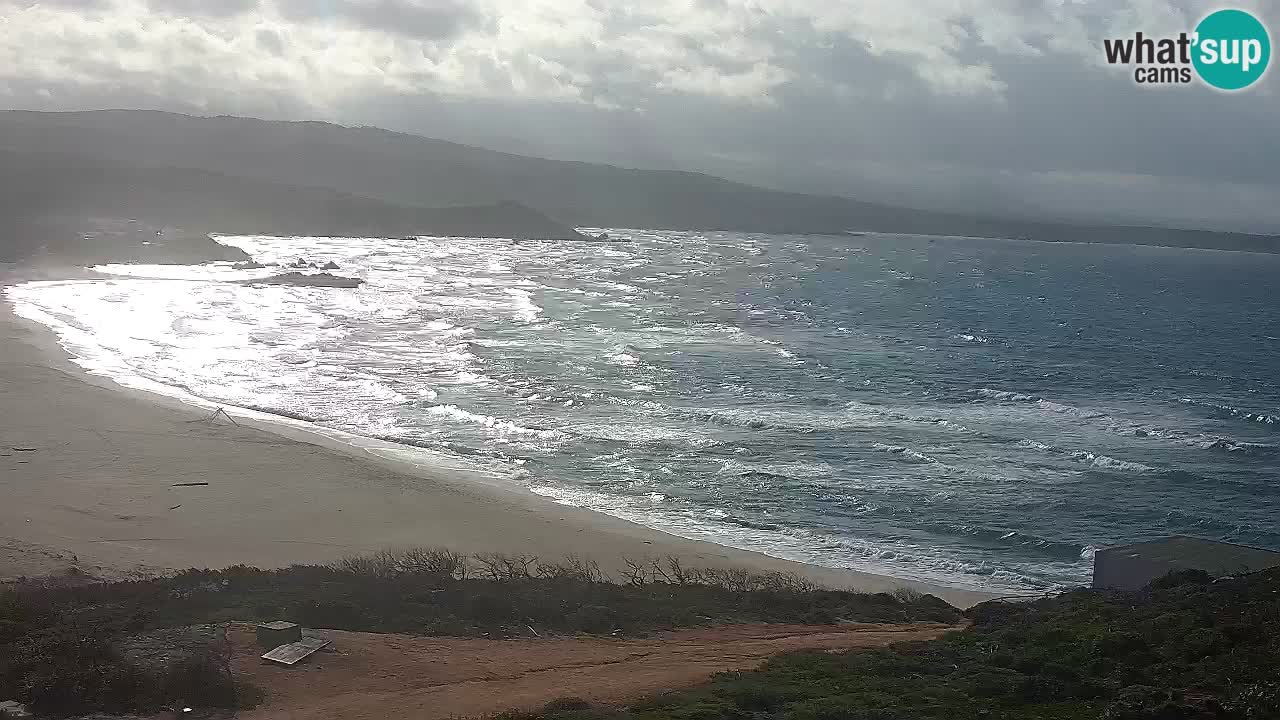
92,474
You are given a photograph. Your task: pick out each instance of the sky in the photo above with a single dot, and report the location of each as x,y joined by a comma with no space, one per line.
989,106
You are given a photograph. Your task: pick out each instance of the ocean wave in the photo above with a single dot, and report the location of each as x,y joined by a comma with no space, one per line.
523,306
284,413
1109,463
624,359
1128,428
905,452
657,337
1039,446
750,524
643,434
1004,395
1238,446
850,415
1064,549
1063,409
1057,408
454,412
1102,462
895,558
793,472
766,477
644,404
1224,410
774,418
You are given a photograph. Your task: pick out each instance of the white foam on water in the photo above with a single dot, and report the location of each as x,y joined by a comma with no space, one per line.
905,452
576,361
99,360
903,559
624,359
496,424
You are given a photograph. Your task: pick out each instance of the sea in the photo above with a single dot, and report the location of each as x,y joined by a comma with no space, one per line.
972,412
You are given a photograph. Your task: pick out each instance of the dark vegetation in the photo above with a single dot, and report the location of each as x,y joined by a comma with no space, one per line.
62,649
1184,648
230,175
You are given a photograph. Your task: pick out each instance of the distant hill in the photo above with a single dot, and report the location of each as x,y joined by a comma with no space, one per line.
94,209
407,171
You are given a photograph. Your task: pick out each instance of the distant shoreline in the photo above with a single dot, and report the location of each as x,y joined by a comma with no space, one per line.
99,490
960,238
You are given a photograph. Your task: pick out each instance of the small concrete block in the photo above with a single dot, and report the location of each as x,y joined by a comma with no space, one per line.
275,634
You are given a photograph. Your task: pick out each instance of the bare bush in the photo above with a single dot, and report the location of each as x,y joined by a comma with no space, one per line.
669,570
636,572
573,567
784,582
381,564
906,595
675,572
440,562
500,566
731,579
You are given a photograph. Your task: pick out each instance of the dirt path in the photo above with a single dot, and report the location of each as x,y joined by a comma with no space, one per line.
390,676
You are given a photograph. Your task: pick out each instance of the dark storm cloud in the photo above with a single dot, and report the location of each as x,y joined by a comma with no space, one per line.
425,19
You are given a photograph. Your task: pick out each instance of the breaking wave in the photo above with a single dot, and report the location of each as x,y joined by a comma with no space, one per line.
788,395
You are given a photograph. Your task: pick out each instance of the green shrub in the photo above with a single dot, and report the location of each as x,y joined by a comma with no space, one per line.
57,644
1141,702
66,670
62,671
597,619
1180,578
202,680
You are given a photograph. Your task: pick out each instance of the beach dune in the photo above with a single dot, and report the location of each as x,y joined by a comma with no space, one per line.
112,481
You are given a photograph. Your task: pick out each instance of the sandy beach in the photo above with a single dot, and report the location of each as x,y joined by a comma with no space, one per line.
113,481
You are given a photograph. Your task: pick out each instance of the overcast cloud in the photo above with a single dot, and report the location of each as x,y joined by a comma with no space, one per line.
990,105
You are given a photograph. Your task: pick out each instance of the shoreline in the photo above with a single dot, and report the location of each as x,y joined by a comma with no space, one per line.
103,489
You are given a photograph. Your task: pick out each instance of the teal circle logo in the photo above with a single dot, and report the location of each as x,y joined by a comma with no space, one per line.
1232,49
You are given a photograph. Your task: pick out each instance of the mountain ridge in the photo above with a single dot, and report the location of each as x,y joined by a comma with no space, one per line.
403,169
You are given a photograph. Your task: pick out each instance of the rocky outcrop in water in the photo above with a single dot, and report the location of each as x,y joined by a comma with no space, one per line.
306,280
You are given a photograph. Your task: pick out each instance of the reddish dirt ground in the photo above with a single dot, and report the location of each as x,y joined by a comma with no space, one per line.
394,676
